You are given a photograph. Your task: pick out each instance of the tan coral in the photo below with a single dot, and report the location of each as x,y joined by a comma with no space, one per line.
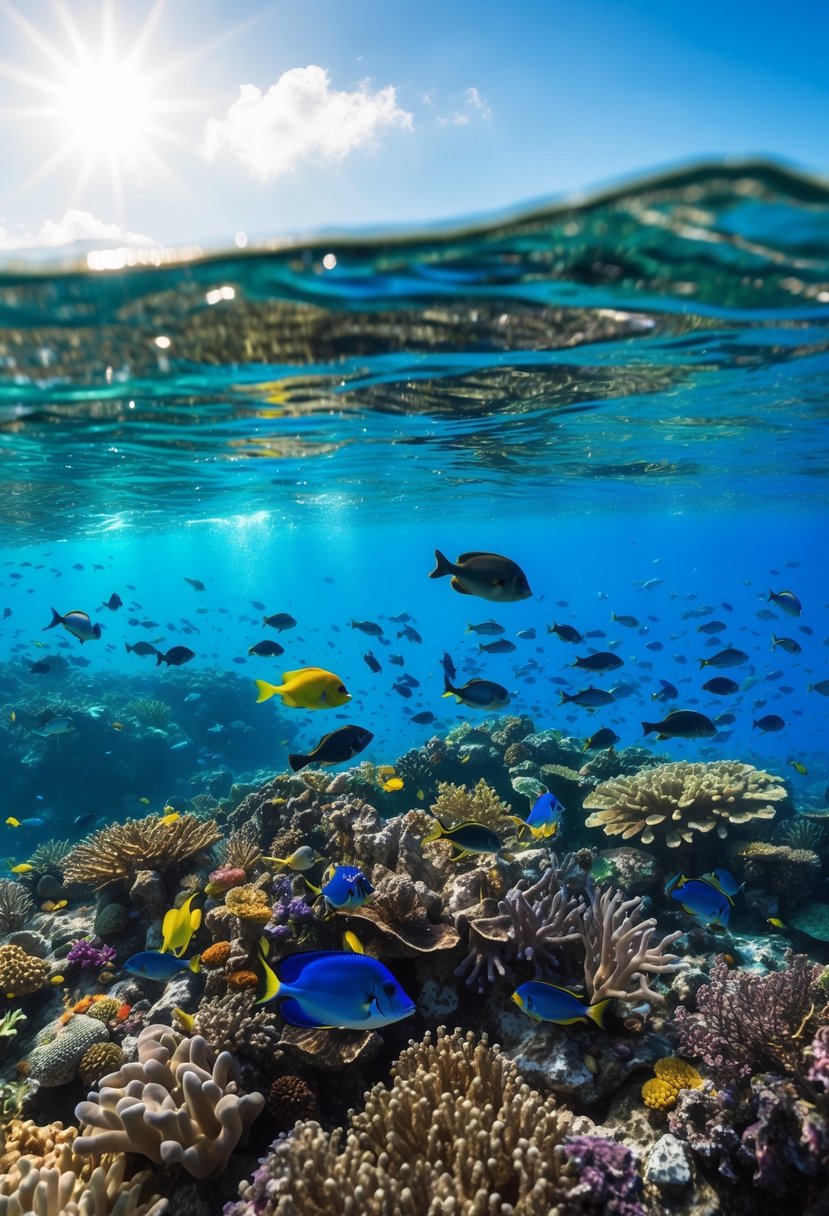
675,801
330,1050
249,903
455,803
118,850
241,850
21,973
779,867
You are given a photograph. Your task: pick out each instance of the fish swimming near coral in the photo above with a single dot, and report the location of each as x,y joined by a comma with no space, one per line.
306,688
606,737
176,656
478,694
487,575
600,662
545,1002
267,649
75,622
346,888
703,899
345,989
301,859
682,724
334,748
588,698
55,726
544,818
468,838
153,965
178,927
140,648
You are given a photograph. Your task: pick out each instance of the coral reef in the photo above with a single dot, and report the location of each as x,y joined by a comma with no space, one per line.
778,867
177,1105
150,712
455,803
671,1077
608,1180
98,1060
60,1047
21,973
233,1023
241,850
16,906
673,802
620,952
88,956
291,1100
119,850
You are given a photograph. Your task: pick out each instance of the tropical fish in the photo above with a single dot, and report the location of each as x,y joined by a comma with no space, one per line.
411,635
544,818
153,965
449,667
545,1002
279,620
602,738
667,692
566,632
345,888
195,583
822,687
335,747
787,601
721,686
327,989
371,628
187,1021
424,718
724,881
600,662
22,868
75,622
790,645
392,785
35,821
630,622
178,927
484,574
682,724
301,859
113,603
306,688
479,694
730,657
526,635
589,698
711,627
488,628
799,768
701,899
499,646
140,648
176,656
55,726
372,662
267,649
468,838
769,723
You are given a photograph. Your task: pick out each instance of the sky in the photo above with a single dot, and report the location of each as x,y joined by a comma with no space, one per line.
208,122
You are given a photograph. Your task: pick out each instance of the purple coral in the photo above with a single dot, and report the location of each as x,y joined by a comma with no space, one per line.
91,958
818,1074
289,911
607,1175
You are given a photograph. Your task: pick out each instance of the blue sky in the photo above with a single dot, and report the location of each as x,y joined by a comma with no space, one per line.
301,115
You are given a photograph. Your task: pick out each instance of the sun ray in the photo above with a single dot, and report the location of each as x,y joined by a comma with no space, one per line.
43,170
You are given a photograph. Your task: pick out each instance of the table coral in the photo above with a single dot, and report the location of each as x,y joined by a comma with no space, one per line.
674,801
178,1104
21,973
672,1075
119,849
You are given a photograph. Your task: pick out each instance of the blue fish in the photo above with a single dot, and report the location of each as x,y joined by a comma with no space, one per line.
701,899
548,1003
153,965
544,818
335,989
724,881
346,888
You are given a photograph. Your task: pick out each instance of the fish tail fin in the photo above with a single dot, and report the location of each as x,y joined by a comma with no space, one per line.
703,663
266,691
647,727
435,832
296,761
159,658
442,566
596,1012
127,647
269,985
564,697
311,887
195,964
586,747
448,690
811,688
56,620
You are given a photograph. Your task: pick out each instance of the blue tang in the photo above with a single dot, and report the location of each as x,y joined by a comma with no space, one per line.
548,1003
545,817
346,888
335,989
701,899
724,881
153,965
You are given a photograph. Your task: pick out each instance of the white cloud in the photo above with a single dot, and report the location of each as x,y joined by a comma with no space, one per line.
301,118
74,226
467,108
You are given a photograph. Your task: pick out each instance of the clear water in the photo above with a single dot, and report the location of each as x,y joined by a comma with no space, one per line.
629,388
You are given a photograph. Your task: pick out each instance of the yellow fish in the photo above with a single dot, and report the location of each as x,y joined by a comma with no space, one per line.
178,927
306,688
392,785
171,818
23,868
799,768
776,922
55,979
12,716
186,1020
385,771
301,859
60,905
144,801
352,942
12,822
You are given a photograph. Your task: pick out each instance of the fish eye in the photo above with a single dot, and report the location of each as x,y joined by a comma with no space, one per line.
341,688
389,989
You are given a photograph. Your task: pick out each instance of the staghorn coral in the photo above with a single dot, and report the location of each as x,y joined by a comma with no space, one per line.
233,1023
748,1022
15,905
455,803
178,1105
21,973
778,867
675,801
150,712
671,1076
457,1130
98,1060
59,1048
118,850
619,953
241,850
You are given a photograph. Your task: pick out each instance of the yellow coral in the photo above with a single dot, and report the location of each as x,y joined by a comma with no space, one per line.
249,903
456,803
672,1075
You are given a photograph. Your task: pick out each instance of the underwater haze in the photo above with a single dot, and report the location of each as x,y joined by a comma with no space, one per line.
626,395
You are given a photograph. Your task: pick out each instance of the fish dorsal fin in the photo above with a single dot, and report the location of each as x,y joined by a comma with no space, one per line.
715,883
579,996
77,612
465,557
300,671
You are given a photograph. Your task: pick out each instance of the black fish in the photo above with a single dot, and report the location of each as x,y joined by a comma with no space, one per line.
113,603
279,620
424,718
602,661
771,722
403,690
368,627
335,747
721,686
371,662
6,613
140,648
602,738
499,646
195,583
566,632
175,656
411,635
448,666
397,660
266,649
682,724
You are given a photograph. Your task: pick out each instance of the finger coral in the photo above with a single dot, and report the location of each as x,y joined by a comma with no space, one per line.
672,1075
620,952
21,973
15,905
671,802
118,850
457,1131
178,1104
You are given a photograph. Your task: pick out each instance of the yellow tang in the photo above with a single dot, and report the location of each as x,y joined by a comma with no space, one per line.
12,716
393,784
171,818
12,822
186,1020
799,768
306,688
384,771
178,927
23,868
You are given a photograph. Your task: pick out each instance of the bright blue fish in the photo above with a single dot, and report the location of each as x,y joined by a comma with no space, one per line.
153,965
335,989
544,818
700,899
548,1003
724,881
346,888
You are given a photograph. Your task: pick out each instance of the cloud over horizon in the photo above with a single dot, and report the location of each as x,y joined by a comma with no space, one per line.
301,118
74,226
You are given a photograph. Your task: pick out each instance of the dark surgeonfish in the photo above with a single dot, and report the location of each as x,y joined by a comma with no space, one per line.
176,656
487,575
335,747
682,724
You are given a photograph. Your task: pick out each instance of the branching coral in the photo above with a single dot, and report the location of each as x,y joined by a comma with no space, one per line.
233,1023
458,1130
747,1022
779,867
15,905
48,857
241,850
176,1105
674,801
619,950
118,850
457,802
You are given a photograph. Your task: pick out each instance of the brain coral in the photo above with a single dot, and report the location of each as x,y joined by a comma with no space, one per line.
100,1059
59,1049
21,973
119,849
676,800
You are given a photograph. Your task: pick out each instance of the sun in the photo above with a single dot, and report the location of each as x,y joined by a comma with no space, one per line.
107,109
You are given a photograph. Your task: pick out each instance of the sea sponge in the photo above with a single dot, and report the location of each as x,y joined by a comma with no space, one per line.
673,801
110,920
15,905
98,1060
216,955
104,1010
672,1075
249,903
291,1100
60,1047
21,973
239,980
119,849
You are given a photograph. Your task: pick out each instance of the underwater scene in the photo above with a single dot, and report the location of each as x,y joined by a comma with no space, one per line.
414,716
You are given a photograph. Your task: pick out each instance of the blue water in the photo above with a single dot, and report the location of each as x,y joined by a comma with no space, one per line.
628,389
